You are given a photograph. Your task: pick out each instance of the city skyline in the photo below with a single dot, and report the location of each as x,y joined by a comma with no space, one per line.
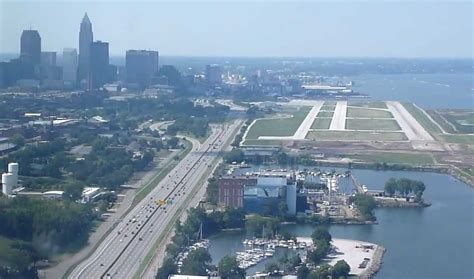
322,28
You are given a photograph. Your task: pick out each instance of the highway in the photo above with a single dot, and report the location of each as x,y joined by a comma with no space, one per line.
124,249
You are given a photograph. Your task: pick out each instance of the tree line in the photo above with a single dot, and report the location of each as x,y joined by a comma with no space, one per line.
404,187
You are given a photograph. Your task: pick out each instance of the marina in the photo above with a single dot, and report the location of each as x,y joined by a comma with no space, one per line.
259,249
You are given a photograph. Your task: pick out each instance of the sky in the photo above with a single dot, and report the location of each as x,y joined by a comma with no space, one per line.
372,28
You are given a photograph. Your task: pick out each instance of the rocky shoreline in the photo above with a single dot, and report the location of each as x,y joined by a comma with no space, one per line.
376,264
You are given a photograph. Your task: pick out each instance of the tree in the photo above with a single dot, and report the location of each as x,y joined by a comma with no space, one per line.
321,233
197,262
321,272
167,268
228,268
340,269
17,140
390,186
282,209
365,204
73,191
235,155
302,272
271,267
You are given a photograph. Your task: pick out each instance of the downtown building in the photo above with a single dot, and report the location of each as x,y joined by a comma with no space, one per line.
99,64
24,70
86,37
141,66
69,67
51,74
30,47
213,74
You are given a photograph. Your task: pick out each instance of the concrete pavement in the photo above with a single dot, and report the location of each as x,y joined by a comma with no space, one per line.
338,122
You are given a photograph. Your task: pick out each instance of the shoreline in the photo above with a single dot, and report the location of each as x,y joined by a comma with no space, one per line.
443,169
376,263
354,252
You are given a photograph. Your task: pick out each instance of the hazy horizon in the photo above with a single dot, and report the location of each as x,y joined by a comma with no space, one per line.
317,29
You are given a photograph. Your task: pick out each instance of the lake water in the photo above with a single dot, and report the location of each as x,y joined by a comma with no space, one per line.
432,242
426,90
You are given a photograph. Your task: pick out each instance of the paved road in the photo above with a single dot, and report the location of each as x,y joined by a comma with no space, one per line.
410,126
338,122
120,254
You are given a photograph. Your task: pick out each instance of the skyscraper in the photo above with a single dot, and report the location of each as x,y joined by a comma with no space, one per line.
69,66
141,66
49,70
86,37
99,64
31,46
213,74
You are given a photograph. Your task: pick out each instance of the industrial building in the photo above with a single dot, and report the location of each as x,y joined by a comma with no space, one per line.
231,190
259,193
10,179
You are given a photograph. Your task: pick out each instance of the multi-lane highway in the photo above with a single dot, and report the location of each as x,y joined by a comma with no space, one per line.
124,249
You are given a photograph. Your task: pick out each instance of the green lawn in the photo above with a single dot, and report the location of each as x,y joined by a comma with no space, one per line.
356,135
278,126
429,126
375,104
321,123
462,139
372,124
367,113
437,117
328,107
395,158
325,113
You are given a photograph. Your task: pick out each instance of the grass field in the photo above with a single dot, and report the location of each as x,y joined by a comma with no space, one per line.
367,113
321,123
463,120
375,104
328,107
395,158
325,114
424,121
278,126
372,124
356,136
462,139
440,120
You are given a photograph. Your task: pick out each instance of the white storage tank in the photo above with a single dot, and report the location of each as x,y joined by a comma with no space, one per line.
7,183
13,169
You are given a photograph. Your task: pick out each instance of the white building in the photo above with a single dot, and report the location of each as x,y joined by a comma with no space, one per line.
7,183
89,192
53,195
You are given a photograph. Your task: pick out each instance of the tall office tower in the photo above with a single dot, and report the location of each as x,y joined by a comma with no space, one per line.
213,74
141,66
86,37
48,58
99,64
49,70
31,46
69,66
